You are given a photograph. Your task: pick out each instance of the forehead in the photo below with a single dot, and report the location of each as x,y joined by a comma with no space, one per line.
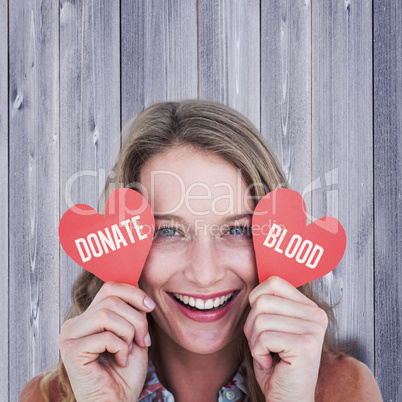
188,181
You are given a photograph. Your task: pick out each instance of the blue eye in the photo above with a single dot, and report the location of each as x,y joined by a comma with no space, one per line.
166,232
240,231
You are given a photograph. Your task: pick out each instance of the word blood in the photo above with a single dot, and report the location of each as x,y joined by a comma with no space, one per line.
103,241
304,251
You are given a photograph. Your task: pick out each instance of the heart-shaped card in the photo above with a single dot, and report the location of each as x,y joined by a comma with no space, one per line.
113,247
285,247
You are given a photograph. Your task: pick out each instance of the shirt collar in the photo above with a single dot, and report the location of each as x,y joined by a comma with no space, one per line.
154,390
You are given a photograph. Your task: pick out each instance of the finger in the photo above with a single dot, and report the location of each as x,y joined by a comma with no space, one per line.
136,318
291,348
132,325
274,305
86,350
289,325
276,286
132,295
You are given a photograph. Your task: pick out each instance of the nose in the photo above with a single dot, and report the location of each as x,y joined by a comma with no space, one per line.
204,266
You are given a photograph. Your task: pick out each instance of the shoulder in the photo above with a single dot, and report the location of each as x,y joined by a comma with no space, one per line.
344,378
32,391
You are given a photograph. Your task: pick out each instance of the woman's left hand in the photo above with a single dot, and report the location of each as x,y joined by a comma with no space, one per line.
285,322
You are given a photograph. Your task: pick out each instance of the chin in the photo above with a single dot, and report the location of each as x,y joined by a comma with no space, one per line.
202,341
205,342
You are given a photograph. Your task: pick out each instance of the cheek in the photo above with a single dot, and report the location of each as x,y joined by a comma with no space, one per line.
163,263
159,267
242,262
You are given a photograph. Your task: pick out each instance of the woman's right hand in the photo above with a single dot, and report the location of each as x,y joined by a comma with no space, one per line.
114,323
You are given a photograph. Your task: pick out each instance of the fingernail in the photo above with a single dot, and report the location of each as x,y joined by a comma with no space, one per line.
147,340
148,302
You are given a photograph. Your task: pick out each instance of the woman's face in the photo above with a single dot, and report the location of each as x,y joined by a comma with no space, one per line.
201,267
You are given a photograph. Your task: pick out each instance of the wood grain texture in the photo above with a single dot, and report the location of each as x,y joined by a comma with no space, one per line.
159,53
89,110
300,70
34,190
387,196
229,54
4,379
286,87
342,158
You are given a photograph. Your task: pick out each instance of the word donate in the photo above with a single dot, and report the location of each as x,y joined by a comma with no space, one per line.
113,247
292,250
102,241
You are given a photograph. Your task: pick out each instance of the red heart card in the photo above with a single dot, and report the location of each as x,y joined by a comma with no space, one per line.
285,247
114,247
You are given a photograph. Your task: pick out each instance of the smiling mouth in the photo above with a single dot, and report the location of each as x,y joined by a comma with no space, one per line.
207,305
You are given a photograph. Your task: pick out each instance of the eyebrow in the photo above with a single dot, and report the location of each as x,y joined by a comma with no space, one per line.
169,217
238,217
172,217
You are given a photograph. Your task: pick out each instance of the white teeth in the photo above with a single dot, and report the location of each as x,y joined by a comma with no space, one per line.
203,304
209,304
199,304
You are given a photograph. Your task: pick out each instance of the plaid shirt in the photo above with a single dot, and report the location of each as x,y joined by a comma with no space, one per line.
235,391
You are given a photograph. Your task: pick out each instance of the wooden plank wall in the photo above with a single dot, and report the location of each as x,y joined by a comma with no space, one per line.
342,155
158,53
4,197
33,189
229,54
388,195
322,80
89,110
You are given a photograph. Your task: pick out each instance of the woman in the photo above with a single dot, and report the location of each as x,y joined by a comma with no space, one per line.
199,327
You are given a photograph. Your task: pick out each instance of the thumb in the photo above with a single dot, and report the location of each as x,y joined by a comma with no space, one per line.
137,354
135,372
263,363
263,371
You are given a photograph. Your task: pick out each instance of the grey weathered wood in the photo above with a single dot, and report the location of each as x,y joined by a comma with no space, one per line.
286,87
303,76
342,158
89,110
159,53
229,54
387,196
4,379
34,190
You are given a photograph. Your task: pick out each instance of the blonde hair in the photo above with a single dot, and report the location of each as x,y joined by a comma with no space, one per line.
203,125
